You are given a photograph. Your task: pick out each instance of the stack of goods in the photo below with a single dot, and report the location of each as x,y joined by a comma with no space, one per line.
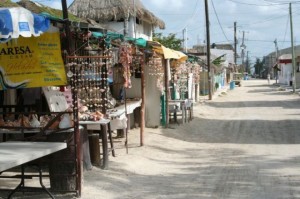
86,115
33,121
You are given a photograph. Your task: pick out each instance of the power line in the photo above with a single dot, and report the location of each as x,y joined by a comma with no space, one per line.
179,27
253,4
263,21
286,28
261,40
212,2
194,13
285,2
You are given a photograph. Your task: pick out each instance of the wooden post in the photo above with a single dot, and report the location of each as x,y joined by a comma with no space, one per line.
163,110
293,49
143,92
196,92
94,148
208,51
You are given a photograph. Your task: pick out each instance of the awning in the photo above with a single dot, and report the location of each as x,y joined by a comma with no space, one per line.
167,52
112,36
18,21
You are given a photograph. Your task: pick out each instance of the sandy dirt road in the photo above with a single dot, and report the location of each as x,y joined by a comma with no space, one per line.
244,144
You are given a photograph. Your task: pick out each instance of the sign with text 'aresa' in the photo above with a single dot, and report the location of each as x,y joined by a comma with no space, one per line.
32,62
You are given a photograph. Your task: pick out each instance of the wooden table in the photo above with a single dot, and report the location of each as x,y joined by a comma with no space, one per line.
104,126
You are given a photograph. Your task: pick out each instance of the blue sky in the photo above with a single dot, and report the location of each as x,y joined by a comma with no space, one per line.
263,21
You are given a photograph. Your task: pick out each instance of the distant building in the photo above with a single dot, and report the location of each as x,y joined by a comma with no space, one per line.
285,75
216,50
270,59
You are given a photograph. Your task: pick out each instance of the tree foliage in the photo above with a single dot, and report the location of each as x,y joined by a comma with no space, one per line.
258,66
169,41
219,60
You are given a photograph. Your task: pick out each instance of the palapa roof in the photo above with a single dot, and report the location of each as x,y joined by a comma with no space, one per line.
7,4
39,8
107,10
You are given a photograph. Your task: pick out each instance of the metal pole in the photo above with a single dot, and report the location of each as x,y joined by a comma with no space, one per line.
208,49
235,43
276,52
185,41
293,50
134,19
184,36
128,125
243,51
75,113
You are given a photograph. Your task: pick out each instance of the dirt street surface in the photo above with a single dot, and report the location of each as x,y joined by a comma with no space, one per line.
245,144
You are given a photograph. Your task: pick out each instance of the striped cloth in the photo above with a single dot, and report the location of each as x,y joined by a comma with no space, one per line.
18,21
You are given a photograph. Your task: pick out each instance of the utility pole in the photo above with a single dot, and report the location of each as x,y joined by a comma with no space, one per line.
134,10
208,49
277,63
235,43
184,33
293,50
247,62
243,47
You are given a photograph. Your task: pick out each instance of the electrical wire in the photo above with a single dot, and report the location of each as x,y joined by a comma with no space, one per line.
212,2
253,4
286,2
263,21
286,28
194,13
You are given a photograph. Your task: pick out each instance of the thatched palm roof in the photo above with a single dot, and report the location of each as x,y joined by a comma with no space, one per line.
7,4
107,10
39,8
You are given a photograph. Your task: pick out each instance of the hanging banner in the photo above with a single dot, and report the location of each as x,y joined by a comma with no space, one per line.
32,62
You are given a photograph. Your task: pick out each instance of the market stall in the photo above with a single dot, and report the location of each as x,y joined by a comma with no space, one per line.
168,55
32,61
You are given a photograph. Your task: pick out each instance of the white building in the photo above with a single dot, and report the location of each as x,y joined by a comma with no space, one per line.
285,75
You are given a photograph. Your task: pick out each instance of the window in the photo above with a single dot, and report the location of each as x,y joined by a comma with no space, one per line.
138,21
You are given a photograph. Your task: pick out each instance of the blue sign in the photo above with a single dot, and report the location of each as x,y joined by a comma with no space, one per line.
24,26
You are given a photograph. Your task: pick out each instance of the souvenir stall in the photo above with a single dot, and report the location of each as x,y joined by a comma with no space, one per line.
155,89
34,61
131,59
185,80
196,69
104,64
168,56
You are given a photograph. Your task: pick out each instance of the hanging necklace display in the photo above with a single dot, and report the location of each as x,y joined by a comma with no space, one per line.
156,69
137,61
125,53
89,81
155,65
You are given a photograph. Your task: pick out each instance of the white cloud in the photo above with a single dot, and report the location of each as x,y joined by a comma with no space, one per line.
175,4
55,4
